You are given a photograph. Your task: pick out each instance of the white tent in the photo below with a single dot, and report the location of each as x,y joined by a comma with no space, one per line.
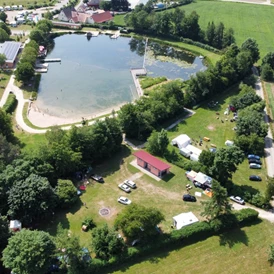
184,219
194,157
202,178
229,143
194,150
181,141
185,152
15,225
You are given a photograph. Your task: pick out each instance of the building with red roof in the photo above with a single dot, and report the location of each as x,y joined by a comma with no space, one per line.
102,17
151,163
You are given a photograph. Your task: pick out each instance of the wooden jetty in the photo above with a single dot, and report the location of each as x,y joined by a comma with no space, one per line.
52,60
135,72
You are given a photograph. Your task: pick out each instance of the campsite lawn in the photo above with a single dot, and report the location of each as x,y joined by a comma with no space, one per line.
204,123
166,195
247,20
239,251
269,94
25,3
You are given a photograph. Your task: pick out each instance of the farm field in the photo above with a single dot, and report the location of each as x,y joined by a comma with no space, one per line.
247,20
239,251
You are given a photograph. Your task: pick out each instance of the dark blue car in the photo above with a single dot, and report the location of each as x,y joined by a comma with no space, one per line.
253,156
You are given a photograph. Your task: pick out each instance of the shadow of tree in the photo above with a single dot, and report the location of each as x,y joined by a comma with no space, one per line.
233,237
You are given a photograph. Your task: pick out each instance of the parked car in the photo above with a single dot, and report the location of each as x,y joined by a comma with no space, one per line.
189,198
124,187
254,161
130,183
250,156
97,178
237,199
255,178
255,166
123,200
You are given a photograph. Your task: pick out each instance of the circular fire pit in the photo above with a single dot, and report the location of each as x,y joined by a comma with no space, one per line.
104,211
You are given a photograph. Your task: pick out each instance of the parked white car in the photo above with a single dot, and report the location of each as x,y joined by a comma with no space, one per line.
130,183
123,200
237,199
124,187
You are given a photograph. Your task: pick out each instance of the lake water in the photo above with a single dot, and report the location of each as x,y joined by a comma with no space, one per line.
94,74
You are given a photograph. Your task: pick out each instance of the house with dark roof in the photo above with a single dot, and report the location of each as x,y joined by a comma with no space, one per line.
66,14
10,50
151,163
82,8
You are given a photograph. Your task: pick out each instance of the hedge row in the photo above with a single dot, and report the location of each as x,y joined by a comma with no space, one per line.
10,104
186,235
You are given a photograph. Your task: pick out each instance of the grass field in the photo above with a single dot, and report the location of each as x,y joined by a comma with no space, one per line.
239,251
4,79
247,20
25,3
269,88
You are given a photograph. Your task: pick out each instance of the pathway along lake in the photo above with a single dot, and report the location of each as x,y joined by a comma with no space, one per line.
94,74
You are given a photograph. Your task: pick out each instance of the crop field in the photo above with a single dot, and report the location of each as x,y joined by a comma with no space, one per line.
247,20
239,251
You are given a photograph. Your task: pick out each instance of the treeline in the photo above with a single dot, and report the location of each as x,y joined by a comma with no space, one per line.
139,119
177,25
267,67
5,32
234,66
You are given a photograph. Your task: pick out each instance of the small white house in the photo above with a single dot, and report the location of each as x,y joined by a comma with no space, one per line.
229,143
184,219
181,141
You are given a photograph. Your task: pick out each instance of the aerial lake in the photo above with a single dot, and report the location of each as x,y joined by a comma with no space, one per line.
94,74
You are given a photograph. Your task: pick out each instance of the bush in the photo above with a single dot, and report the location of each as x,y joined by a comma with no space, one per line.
89,223
10,104
246,216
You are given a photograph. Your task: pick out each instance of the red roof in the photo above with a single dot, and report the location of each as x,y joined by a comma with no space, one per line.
151,160
102,17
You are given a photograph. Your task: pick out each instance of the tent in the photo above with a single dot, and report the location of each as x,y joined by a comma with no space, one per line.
229,143
184,219
194,150
15,225
202,178
185,152
181,141
194,157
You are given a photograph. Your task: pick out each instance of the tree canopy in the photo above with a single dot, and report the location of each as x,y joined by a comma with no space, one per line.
106,243
157,143
24,71
137,221
29,252
66,193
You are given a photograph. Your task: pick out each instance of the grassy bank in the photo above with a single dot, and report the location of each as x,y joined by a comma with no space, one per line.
239,251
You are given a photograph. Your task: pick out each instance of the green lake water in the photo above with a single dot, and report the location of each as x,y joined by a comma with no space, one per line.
94,74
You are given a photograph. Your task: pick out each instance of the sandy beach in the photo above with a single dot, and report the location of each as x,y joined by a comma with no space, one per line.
44,120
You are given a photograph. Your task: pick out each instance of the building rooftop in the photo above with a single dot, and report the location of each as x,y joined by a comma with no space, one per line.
151,160
10,49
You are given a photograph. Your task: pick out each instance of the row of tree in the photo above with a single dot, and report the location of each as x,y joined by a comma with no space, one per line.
234,65
267,68
177,24
140,118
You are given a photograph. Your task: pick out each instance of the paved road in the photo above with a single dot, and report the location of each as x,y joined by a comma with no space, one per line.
269,149
262,213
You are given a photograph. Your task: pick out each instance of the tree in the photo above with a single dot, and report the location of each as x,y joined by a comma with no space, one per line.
206,158
3,59
3,36
4,232
37,35
29,55
105,5
251,45
106,243
48,15
137,221
269,192
269,59
218,204
29,252
158,142
225,162
3,16
267,73
31,199
6,126
66,193
24,72
5,28
44,25
229,38
32,44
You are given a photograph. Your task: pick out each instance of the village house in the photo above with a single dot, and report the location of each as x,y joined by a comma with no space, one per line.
10,50
70,15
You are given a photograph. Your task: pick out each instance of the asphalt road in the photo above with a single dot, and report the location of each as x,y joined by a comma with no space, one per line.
269,149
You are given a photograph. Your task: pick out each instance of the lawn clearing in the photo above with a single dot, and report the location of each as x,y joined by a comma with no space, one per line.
269,88
26,3
119,19
247,20
4,79
239,251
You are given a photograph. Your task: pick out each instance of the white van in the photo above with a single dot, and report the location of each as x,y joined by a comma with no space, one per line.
7,7
20,7
130,183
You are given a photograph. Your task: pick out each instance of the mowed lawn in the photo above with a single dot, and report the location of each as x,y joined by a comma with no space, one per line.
247,20
240,251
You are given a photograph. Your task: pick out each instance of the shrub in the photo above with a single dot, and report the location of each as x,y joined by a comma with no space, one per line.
10,104
246,216
89,223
